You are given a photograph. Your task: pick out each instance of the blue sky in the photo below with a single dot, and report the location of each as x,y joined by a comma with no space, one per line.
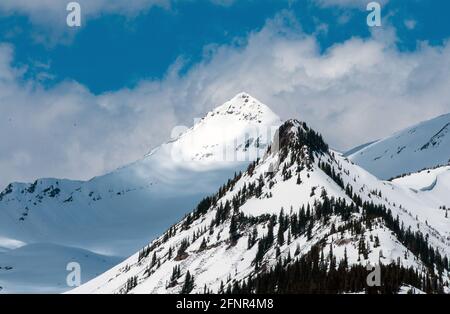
115,51
83,102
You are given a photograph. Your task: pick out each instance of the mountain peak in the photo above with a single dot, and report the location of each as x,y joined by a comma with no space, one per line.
243,95
245,107
296,133
238,130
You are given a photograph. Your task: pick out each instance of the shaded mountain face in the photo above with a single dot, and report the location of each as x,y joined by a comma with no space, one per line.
42,268
119,212
425,145
301,219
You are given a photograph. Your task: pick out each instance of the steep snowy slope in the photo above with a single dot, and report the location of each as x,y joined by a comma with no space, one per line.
425,145
431,185
119,212
301,212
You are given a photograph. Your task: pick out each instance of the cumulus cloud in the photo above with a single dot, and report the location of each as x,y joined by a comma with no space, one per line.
66,131
354,92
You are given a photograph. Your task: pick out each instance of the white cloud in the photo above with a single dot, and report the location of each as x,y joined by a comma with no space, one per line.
223,2
356,91
49,10
49,16
53,12
360,4
410,24
54,132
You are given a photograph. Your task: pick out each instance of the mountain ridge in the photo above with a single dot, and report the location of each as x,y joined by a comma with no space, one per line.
424,145
236,239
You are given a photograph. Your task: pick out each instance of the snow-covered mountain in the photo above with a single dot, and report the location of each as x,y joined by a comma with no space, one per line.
301,219
42,268
117,213
425,145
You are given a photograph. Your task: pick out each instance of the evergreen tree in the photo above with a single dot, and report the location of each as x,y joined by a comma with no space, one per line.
153,263
252,237
188,285
299,180
281,226
234,235
203,245
131,284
